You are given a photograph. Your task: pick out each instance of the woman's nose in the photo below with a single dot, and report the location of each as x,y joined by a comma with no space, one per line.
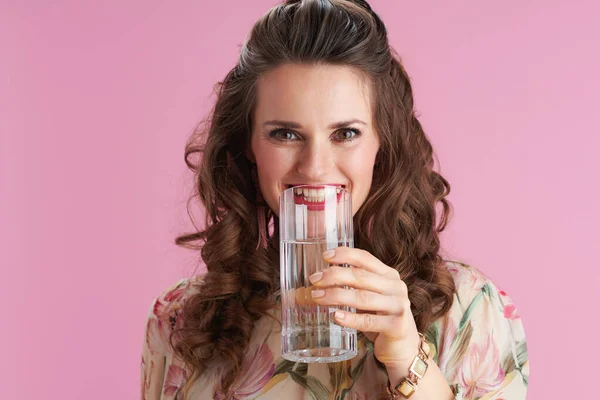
315,161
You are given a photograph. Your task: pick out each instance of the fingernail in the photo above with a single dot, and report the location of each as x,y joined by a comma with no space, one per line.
317,293
340,314
329,253
316,277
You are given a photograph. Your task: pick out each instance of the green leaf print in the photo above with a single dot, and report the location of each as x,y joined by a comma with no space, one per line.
301,368
340,378
284,366
522,354
432,335
355,374
359,367
509,363
460,344
485,291
314,387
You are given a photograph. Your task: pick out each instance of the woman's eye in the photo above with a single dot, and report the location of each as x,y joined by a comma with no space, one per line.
286,135
347,134
283,134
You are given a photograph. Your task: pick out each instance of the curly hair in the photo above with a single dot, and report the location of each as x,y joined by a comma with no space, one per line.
398,223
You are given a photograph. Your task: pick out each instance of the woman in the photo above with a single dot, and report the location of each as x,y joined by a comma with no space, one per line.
319,97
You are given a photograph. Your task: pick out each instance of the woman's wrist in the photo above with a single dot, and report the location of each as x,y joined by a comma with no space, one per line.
433,386
398,371
405,376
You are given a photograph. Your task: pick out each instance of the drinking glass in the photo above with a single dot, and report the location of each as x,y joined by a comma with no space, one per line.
312,220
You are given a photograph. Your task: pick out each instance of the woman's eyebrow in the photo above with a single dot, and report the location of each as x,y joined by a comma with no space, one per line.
295,125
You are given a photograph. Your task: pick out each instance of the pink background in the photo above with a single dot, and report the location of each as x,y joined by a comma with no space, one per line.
98,98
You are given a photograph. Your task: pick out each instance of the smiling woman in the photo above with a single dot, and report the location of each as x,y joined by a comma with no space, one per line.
319,97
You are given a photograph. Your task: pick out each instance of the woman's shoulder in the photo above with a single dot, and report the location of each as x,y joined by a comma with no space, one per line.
471,282
480,342
464,274
173,296
165,308
161,374
479,304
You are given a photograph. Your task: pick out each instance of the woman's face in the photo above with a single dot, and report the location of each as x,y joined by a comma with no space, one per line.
312,125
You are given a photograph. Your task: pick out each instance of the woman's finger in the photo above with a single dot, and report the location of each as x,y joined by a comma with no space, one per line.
361,259
360,299
356,278
386,324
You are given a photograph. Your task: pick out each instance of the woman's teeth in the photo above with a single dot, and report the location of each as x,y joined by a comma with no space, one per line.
313,195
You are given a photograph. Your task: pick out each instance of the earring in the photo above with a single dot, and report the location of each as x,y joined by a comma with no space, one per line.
261,211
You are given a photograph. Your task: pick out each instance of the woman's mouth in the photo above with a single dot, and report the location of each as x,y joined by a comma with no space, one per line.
314,197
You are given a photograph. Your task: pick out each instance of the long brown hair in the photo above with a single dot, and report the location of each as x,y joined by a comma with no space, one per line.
397,223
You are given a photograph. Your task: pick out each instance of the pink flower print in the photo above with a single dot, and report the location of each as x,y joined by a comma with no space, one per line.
510,311
256,371
174,380
175,294
454,270
481,371
164,319
475,279
169,302
157,336
146,381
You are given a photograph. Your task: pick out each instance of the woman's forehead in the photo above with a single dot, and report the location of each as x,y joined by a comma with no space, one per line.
322,94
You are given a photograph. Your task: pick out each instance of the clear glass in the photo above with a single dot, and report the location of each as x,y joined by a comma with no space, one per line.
312,220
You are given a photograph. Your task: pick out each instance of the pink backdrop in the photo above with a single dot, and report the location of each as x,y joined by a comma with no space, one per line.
98,98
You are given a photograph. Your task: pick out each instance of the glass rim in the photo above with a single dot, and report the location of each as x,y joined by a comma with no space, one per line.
317,186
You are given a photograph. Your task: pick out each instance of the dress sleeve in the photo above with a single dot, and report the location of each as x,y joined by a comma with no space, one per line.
153,360
160,378
481,344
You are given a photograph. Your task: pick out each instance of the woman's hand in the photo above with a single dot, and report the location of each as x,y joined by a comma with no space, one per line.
379,296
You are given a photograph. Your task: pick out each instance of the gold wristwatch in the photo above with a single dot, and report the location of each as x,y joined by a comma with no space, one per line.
408,386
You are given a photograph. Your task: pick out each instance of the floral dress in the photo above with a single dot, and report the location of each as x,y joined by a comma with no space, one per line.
479,345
